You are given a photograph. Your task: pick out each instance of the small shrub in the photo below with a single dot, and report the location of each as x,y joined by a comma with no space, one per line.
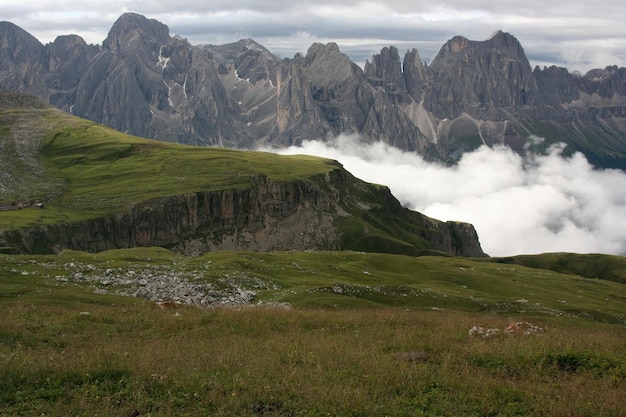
584,362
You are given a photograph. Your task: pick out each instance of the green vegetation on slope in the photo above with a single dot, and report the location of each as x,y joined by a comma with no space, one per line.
344,279
102,171
67,350
593,137
600,266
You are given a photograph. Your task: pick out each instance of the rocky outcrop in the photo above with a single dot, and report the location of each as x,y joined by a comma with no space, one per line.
385,71
10,100
67,59
22,61
267,216
487,80
145,82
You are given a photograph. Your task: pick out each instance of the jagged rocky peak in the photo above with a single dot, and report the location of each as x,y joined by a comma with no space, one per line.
504,40
486,79
250,60
64,45
326,64
133,24
460,48
456,44
385,71
231,51
385,65
401,80
67,60
65,48
606,83
17,45
251,44
416,74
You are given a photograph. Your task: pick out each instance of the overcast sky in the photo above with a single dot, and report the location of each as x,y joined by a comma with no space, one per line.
578,35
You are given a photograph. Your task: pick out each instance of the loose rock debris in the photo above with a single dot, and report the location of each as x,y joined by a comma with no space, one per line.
519,327
522,327
166,286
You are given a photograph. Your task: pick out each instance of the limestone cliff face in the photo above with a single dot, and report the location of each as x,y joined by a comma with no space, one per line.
298,117
67,59
385,71
267,216
22,61
488,80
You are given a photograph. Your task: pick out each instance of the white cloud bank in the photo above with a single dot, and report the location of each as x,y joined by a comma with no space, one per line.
536,204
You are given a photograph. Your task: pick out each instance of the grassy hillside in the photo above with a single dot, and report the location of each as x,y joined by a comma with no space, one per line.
596,138
82,171
337,280
87,170
598,266
368,335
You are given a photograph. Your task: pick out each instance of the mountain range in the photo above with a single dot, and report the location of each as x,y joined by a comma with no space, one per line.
145,82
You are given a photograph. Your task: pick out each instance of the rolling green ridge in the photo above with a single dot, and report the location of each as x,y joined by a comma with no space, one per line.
91,170
597,266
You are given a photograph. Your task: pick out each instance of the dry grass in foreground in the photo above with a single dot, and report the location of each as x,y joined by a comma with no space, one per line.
134,359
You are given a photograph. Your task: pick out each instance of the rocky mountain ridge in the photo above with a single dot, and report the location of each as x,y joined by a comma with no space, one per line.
268,216
144,81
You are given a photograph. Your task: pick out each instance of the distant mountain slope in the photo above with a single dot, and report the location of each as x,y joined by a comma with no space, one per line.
145,82
598,266
79,185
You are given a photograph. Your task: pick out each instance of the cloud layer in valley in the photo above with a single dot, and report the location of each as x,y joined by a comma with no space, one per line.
575,34
536,204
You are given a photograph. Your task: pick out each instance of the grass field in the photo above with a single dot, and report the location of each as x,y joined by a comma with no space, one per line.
87,170
366,335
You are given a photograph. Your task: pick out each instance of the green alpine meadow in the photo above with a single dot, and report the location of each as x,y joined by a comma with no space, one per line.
82,169
145,278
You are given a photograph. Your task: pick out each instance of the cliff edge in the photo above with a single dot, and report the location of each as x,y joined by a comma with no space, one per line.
99,189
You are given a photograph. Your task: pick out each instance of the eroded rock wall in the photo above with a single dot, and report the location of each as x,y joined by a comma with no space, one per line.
266,216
